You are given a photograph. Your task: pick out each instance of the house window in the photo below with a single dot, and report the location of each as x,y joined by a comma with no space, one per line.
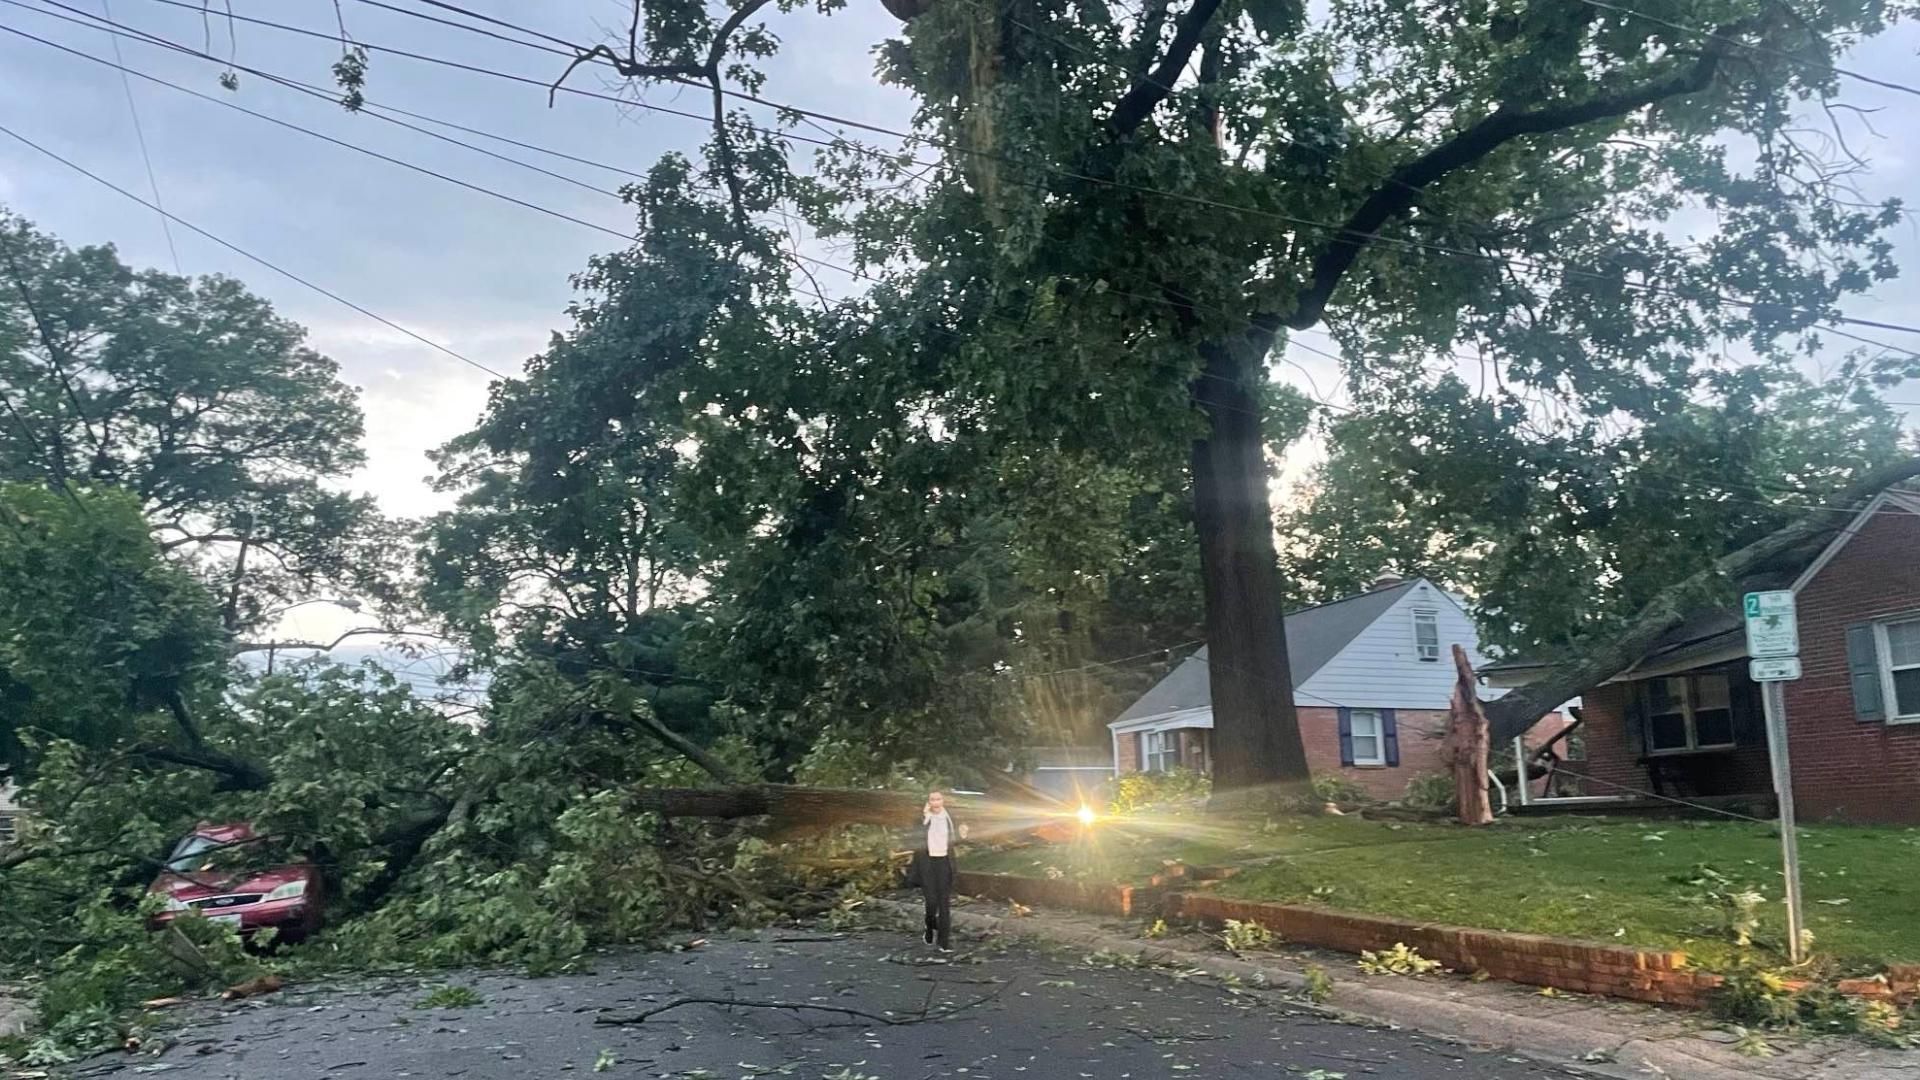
1367,740
8,829
1902,650
1688,712
1160,750
1426,635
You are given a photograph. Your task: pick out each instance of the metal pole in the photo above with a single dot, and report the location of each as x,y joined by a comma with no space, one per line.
1520,769
1774,696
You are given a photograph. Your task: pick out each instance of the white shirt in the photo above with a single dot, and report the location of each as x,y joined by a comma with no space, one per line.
939,826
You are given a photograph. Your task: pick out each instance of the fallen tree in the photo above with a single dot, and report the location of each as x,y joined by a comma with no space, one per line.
1593,661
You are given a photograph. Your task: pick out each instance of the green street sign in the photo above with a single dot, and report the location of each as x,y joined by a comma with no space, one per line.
1773,629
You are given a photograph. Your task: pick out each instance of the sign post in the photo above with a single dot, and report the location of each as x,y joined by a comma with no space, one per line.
1773,643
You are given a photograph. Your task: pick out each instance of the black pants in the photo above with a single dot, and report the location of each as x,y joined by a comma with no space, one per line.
937,881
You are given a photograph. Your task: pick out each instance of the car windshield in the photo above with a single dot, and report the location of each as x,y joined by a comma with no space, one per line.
187,855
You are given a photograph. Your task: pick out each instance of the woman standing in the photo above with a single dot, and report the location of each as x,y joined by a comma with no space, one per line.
936,869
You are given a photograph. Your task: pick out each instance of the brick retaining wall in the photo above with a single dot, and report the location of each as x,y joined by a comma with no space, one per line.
1656,975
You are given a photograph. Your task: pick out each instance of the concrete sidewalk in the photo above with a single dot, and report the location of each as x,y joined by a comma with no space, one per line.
1600,1035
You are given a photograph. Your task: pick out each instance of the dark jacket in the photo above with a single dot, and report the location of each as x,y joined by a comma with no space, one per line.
917,868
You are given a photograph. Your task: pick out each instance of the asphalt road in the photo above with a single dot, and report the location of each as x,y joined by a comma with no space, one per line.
1020,1012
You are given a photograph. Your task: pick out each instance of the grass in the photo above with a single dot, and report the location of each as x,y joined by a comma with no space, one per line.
1602,880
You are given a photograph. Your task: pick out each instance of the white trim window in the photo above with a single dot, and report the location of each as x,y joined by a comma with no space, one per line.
1687,713
1426,634
1159,750
1900,668
1369,740
9,828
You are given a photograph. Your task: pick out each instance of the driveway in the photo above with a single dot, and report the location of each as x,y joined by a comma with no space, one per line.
1019,1011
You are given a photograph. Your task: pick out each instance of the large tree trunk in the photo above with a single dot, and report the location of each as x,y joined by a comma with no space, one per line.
838,806
1256,736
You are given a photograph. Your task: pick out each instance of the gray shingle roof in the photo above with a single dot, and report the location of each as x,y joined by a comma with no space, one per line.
1315,635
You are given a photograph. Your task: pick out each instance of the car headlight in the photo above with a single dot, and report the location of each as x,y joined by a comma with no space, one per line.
174,903
290,891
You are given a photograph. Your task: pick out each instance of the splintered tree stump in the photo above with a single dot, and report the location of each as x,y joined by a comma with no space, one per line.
1466,745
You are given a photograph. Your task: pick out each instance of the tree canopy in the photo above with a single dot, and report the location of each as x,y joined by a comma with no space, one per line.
194,395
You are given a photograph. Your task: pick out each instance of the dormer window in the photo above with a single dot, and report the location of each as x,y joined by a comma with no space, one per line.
1426,635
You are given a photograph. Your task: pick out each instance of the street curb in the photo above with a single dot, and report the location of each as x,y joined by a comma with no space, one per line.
1637,1049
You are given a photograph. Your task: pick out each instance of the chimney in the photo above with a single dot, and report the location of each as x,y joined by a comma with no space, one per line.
1387,580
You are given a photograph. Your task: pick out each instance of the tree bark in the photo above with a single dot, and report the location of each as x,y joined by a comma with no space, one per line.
1594,661
1256,734
1466,745
831,806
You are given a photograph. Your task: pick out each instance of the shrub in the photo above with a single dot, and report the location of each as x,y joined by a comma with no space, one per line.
1430,791
1140,790
1334,788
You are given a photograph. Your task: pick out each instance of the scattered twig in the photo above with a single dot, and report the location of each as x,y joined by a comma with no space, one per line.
890,1021
1353,1058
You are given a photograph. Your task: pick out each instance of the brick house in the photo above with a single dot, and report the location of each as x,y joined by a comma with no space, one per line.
1685,720
1371,685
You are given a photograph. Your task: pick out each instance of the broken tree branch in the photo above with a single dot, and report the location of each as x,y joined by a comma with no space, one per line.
238,774
683,746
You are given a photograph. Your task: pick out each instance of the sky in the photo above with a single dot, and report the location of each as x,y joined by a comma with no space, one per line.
486,279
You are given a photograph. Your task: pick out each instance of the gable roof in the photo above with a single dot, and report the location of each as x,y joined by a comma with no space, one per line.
1315,635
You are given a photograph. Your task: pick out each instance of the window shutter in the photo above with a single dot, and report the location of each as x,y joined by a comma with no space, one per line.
1390,737
1346,735
1635,695
1863,665
1749,715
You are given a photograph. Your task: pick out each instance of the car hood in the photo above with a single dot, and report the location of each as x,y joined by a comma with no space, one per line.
199,886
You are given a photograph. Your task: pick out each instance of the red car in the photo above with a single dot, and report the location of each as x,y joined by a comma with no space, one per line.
286,897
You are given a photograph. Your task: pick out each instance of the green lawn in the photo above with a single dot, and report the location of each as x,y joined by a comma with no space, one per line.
1601,880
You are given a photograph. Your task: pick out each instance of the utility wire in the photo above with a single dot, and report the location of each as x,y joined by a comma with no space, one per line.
306,88
1426,247
482,189
140,137
1708,35
242,252
1315,396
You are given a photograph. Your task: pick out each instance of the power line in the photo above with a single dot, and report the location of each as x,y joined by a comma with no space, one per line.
1427,247
306,88
482,189
236,249
1315,396
1708,35
140,137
